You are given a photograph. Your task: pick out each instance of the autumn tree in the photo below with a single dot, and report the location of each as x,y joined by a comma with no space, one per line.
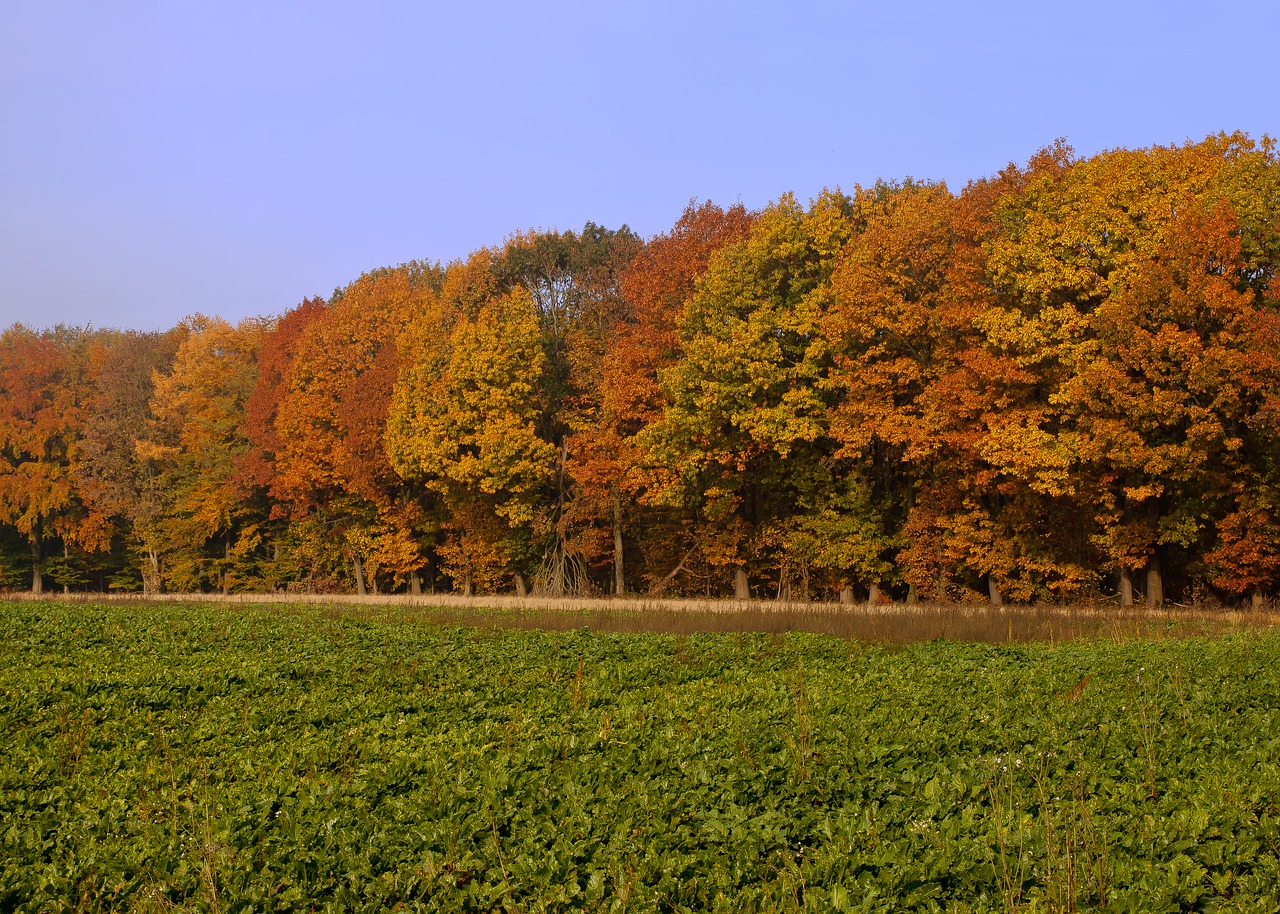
331,465
280,344
897,326
1068,374
41,387
1128,286
194,445
573,279
110,468
605,458
743,438
465,422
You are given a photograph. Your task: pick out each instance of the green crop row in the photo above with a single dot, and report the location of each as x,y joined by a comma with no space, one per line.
208,758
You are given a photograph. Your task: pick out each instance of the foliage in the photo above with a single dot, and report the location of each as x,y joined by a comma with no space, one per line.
193,756
744,429
41,420
1060,383
465,422
1133,295
195,444
337,368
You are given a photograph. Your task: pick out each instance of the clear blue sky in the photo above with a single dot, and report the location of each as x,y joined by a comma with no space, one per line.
161,157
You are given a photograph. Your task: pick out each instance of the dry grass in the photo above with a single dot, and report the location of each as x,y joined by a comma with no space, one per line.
885,622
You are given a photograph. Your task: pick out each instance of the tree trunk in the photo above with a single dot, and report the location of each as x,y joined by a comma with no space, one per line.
415,583
1155,583
522,589
619,579
564,460
993,592
359,567
873,594
658,588
912,599
1126,587
66,564
37,579
226,555
466,583
1256,600
151,573
846,595
741,587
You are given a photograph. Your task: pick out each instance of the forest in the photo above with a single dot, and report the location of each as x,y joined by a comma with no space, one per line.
1060,384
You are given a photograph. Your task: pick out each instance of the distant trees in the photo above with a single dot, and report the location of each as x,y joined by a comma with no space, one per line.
465,423
1061,382
352,517
194,443
41,419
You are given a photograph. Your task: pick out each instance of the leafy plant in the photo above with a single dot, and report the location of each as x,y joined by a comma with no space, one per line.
291,759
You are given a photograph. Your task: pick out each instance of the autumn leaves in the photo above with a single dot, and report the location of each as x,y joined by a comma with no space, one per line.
1063,381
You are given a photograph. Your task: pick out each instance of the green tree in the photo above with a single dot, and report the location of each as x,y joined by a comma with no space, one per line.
743,437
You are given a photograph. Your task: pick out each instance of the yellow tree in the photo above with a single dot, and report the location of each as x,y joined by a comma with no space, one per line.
573,279
934,410
464,421
1128,283
194,447
743,437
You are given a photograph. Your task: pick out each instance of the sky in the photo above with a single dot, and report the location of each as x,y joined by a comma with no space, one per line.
159,159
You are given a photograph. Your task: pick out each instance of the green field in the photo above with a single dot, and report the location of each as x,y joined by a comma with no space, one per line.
253,758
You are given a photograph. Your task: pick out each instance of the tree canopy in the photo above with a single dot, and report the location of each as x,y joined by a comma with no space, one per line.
1060,382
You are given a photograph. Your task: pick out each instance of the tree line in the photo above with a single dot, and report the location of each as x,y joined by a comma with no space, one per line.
1061,383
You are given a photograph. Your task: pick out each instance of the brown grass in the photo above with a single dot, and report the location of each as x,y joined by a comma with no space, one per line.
885,622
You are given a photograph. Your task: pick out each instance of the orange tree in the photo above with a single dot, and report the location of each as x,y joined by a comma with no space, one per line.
275,355
952,427
900,331
349,507
1131,286
41,415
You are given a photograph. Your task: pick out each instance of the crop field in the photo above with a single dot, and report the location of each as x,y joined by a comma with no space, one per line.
206,757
